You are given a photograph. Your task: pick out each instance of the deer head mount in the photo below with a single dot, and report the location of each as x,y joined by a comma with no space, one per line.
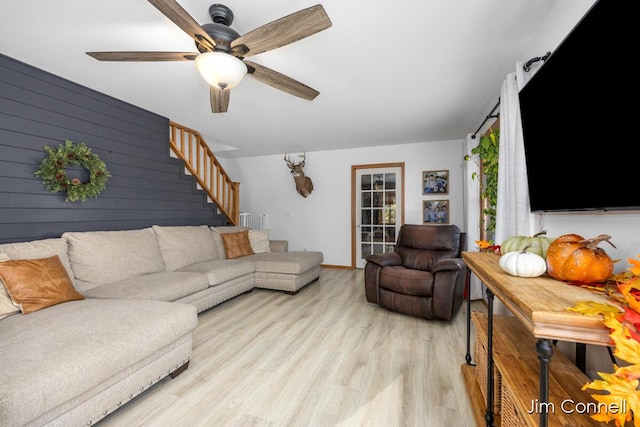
304,186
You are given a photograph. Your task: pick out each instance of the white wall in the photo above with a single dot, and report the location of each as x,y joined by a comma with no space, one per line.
562,17
322,221
623,227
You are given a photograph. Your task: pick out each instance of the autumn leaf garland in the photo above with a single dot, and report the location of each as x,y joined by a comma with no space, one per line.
487,246
620,387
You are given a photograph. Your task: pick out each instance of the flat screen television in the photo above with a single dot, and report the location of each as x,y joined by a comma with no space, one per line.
580,139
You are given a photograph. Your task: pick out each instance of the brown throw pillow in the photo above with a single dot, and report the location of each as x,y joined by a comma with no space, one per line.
236,245
34,284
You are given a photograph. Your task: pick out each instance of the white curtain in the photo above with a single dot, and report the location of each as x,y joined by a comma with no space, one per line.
472,207
513,213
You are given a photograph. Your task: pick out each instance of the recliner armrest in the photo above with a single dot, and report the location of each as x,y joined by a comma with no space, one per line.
385,259
449,264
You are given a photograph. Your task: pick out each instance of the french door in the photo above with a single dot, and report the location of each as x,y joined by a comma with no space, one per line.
377,209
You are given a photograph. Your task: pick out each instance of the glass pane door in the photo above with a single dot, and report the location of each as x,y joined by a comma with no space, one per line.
378,206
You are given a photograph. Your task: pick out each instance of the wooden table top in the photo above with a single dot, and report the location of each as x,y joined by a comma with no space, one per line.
541,303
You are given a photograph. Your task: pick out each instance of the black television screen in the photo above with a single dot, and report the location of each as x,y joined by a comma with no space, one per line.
579,134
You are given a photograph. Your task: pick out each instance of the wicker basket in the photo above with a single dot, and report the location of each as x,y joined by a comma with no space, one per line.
511,415
482,361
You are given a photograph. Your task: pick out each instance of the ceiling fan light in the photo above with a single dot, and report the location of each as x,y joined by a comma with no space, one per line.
221,69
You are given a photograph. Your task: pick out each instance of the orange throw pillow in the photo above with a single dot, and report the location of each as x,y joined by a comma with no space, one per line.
236,245
34,284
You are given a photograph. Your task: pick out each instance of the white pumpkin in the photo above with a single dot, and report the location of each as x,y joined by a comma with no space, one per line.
523,263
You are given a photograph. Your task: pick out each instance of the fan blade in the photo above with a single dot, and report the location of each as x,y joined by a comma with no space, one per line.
143,56
219,99
284,31
182,19
280,81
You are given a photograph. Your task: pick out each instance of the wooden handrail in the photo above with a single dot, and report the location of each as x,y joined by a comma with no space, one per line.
200,161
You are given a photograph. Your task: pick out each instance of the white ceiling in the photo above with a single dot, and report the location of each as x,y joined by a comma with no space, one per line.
389,72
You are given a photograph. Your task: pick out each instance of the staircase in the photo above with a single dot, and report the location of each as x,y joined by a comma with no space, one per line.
188,145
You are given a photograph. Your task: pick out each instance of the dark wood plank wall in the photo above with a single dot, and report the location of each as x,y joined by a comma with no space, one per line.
147,186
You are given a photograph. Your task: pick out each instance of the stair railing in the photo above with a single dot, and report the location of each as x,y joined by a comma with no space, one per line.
200,161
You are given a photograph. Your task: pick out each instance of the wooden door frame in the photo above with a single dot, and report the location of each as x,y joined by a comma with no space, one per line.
354,169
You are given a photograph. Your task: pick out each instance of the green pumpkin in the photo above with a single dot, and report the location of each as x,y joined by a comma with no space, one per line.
538,244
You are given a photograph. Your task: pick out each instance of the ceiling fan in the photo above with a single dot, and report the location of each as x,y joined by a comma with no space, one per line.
222,50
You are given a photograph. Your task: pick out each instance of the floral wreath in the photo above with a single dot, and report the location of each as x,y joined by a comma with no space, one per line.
54,177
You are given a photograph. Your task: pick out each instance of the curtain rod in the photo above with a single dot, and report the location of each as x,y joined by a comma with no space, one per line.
526,67
486,119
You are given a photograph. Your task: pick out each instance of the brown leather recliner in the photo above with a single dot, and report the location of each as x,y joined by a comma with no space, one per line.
424,277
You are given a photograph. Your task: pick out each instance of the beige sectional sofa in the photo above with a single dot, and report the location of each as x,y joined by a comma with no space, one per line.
74,362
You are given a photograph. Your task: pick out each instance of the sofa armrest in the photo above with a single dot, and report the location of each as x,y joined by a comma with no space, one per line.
279,245
385,259
449,264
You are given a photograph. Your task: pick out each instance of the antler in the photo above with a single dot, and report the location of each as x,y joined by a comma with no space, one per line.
291,164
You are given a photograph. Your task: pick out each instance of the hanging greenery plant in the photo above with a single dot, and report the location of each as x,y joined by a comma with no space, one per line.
487,152
53,173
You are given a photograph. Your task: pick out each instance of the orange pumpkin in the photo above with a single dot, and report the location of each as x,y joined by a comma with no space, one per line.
572,258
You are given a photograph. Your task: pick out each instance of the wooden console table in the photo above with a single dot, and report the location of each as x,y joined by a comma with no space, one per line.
540,305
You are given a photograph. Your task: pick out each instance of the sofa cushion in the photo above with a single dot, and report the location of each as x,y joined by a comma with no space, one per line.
165,286
222,270
295,262
407,281
7,308
278,245
184,245
99,257
34,284
39,249
57,354
236,245
259,240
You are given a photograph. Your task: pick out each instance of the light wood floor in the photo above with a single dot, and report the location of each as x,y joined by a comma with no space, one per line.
323,357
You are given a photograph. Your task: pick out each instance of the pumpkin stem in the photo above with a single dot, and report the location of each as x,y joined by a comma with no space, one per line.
524,250
543,232
594,242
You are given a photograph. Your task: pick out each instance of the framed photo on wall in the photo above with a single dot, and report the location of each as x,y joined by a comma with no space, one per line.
435,211
435,182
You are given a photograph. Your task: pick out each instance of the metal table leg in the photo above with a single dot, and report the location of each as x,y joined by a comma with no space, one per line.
581,357
545,351
468,288
489,411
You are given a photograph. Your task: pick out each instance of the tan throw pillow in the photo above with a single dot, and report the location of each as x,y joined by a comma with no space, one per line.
259,240
34,284
6,306
236,245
